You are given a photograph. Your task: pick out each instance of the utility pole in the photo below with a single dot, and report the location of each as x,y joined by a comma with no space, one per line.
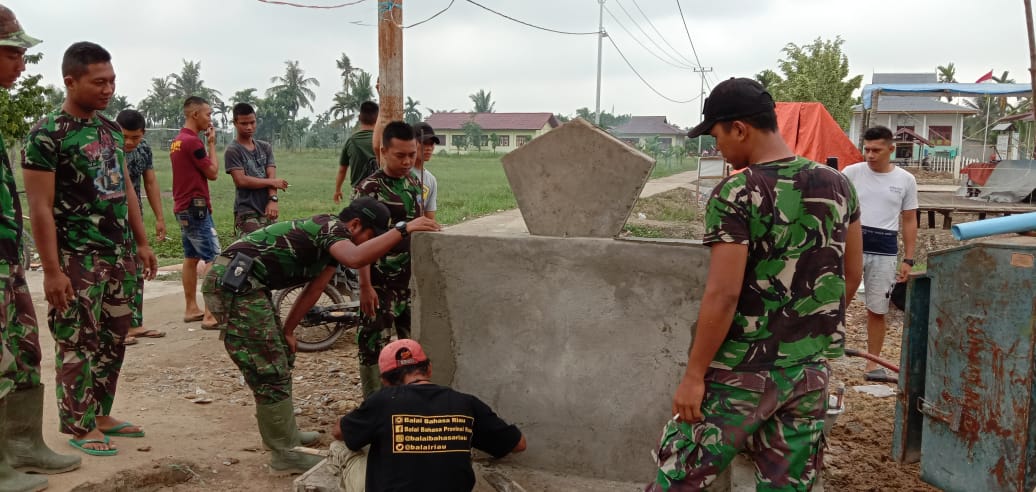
1032,69
390,67
600,45
701,100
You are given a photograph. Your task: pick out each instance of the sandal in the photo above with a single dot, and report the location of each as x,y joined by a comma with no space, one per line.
880,376
80,444
114,431
130,340
150,334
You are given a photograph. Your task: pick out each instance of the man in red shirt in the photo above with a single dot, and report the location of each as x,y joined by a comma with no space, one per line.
193,168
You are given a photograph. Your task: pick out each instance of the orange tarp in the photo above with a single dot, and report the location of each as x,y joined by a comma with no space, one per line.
811,132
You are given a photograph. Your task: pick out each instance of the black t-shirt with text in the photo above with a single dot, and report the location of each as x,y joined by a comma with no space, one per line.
421,435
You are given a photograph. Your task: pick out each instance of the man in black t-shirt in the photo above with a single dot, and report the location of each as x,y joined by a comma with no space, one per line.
420,434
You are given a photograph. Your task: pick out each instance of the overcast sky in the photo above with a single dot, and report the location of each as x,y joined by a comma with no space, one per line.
242,43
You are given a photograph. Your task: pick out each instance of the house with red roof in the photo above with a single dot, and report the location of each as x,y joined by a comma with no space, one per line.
639,129
512,130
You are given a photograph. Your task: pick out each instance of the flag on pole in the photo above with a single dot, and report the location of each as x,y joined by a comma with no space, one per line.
988,76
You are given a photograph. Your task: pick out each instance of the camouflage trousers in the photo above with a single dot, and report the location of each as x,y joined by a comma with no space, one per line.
20,352
252,337
89,337
777,416
249,222
137,302
393,311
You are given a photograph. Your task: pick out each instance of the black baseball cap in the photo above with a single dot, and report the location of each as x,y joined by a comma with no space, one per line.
372,214
425,133
733,99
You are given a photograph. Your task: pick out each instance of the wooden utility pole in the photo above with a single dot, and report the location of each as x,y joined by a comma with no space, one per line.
1032,69
390,67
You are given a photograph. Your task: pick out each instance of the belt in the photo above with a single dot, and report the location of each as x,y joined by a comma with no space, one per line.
221,260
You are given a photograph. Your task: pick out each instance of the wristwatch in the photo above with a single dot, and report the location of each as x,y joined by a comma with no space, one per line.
401,227
908,261
273,198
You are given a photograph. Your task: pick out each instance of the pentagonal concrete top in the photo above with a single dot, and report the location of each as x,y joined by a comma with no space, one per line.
576,181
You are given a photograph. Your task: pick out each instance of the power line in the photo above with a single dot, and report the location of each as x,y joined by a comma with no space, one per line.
290,4
649,86
688,31
642,45
660,36
437,14
649,38
473,2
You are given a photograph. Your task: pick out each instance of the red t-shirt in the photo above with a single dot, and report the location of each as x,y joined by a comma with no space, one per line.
189,157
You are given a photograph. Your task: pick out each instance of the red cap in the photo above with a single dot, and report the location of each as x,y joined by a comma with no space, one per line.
400,353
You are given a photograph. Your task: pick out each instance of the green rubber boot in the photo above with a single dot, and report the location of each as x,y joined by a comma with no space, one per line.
12,480
25,449
370,378
280,434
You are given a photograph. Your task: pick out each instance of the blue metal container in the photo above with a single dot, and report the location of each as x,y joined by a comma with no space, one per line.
967,401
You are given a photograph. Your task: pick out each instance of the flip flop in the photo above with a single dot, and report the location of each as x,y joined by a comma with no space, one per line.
130,340
114,431
192,319
880,376
79,444
213,326
150,334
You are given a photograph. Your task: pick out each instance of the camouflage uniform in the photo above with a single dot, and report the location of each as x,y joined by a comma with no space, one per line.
90,215
766,389
285,254
139,161
390,275
19,336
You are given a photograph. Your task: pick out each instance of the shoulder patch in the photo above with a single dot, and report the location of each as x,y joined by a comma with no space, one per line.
199,153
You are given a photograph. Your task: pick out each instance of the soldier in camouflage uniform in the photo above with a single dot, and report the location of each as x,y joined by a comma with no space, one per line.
250,164
287,254
21,393
786,243
85,217
385,287
140,163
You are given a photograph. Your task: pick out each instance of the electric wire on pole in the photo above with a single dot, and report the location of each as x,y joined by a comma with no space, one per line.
702,71
600,48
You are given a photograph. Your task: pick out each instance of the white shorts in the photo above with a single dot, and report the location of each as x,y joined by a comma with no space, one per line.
879,277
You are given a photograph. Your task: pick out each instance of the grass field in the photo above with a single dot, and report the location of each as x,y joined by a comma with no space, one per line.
470,186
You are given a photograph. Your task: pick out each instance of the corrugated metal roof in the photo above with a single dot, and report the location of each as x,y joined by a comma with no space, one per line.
911,104
493,121
904,78
647,125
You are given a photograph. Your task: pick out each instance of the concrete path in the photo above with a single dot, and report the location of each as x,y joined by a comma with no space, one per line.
510,222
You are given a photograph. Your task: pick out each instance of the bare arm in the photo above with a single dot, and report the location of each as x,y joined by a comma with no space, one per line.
154,198
242,180
305,301
722,290
909,219
339,179
853,260
39,189
136,223
430,215
212,171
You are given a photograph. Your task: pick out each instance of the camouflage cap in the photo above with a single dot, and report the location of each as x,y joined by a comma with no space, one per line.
11,32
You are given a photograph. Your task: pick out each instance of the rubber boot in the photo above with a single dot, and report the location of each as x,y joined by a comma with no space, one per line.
280,434
12,480
25,448
370,378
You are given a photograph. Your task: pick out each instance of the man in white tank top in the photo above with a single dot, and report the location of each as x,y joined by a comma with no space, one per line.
888,198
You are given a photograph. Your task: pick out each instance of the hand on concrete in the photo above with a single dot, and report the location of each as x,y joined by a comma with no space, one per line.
368,300
422,224
688,398
58,289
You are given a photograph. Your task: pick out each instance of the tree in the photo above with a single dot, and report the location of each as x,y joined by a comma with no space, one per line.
493,140
608,120
769,79
117,104
410,112
947,75
483,101
473,134
24,104
188,83
245,96
347,101
817,72
295,87
161,107
345,65
222,110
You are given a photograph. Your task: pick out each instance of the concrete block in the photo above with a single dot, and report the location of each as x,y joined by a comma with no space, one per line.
580,342
576,181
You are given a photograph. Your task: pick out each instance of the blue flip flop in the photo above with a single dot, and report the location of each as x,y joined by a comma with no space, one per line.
114,431
79,444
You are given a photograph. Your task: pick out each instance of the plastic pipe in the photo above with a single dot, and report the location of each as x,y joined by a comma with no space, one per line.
999,225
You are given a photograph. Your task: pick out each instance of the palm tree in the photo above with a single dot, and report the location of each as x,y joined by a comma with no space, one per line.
117,104
295,86
947,75
347,69
769,79
410,113
483,101
220,108
160,106
245,96
188,83
348,100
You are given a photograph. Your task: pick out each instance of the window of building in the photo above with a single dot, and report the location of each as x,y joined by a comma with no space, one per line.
521,140
484,141
503,140
458,140
665,143
632,141
940,135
